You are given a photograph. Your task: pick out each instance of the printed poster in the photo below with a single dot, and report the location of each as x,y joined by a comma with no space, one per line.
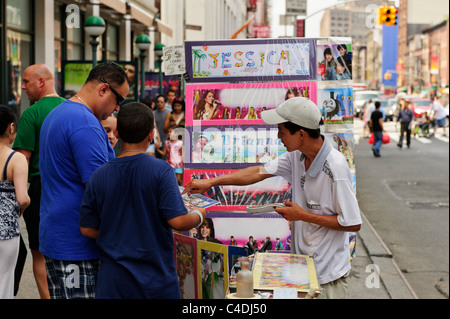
251,60
239,103
272,271
236,198
232,146
213,270
334,61
336,105
186,265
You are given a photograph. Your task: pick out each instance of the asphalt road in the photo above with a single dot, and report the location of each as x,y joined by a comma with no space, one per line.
405,196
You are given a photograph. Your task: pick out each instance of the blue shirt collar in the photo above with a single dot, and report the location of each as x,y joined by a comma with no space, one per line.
319,160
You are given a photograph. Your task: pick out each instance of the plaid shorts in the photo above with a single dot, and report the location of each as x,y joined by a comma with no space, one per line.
71,279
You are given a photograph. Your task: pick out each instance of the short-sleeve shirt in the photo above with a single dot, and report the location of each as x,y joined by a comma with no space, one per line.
324,189
30,124
375,117
440,112
130,200
73,144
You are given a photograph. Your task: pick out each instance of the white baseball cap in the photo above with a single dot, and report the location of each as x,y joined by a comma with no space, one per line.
298,110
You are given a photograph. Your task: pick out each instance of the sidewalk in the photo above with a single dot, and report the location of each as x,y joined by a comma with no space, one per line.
372,252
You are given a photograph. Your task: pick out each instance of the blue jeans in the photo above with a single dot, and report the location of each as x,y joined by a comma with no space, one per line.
378,142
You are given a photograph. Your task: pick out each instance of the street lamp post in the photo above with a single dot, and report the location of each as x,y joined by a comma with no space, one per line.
143,43
159,53
94,26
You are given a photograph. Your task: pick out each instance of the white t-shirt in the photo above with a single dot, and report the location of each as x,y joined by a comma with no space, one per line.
325,189
440,112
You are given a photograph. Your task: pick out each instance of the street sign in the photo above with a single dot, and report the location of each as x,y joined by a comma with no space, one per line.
296,7
300,30
173,58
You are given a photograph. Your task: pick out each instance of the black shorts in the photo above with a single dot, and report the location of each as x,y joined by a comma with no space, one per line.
31,214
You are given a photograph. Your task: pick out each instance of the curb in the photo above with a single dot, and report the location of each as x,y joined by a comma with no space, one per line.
391,276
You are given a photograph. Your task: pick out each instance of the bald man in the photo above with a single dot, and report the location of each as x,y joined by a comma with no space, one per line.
39,85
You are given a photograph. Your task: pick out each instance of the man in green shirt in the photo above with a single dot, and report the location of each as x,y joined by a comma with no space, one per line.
39,85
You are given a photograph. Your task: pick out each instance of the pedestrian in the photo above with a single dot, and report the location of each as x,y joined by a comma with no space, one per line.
376,126
324,207
438,114
39,85
110,125
173,152
171,96
366,118
130,207
13,200
160,116
73,144
176,117
155,143
405,117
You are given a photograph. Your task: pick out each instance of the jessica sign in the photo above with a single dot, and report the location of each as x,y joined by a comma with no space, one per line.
251,60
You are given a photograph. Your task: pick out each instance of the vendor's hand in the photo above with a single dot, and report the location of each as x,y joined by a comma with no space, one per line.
292,212
196,186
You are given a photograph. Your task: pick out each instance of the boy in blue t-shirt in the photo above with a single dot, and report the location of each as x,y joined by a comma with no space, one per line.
130,206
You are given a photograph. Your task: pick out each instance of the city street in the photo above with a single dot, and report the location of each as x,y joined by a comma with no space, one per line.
405,196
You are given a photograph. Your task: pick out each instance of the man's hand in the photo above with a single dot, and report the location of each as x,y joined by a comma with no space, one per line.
196,186
292,212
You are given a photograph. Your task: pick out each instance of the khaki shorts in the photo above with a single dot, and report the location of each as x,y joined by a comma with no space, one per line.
336,289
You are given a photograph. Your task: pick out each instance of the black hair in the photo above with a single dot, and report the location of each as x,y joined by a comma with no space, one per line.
134,122
342,46
7,116
327,51
293,128
147,101
180,101
162,97
341,61
111,72
377,104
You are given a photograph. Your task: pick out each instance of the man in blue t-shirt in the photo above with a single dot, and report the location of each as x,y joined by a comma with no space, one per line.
73,144
130,206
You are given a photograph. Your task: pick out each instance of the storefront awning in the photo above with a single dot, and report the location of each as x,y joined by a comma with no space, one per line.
117,5
403,89
149,20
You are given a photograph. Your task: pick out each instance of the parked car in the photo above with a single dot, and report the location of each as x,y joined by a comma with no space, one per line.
361,98
420,106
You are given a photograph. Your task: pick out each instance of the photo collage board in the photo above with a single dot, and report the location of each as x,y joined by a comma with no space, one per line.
230,82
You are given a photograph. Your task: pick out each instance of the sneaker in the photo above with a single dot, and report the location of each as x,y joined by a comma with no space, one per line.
399,145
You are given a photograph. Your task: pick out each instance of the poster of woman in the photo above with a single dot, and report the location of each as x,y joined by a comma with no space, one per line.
239,104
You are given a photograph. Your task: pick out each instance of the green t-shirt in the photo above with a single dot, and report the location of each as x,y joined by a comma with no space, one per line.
30,124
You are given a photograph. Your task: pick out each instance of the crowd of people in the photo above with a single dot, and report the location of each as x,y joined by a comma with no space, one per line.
58,147
427,125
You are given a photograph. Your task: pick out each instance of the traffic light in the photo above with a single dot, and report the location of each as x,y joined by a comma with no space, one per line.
387,15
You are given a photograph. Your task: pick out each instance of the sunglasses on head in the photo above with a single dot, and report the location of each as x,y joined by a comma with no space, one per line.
119,97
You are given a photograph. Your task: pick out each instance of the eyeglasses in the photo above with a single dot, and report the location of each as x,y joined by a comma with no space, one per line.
119,97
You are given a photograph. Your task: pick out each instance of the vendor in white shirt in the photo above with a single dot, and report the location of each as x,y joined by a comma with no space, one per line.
324,207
